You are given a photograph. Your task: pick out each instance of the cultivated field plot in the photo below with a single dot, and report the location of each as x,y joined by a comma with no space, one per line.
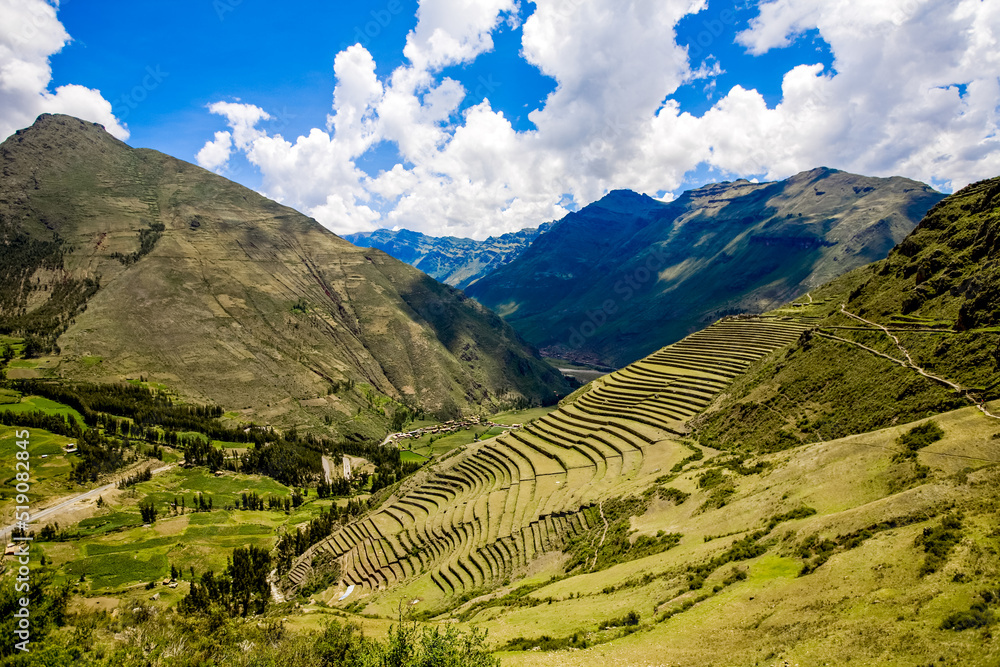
49,468
114,550
479,518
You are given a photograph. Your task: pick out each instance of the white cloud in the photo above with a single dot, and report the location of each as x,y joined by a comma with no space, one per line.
891,107
30,33
454,31
243,119
914,90
215,154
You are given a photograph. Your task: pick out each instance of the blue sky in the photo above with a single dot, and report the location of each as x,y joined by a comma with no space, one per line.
472,118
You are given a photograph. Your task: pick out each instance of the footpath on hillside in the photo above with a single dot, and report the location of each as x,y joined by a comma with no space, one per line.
908,363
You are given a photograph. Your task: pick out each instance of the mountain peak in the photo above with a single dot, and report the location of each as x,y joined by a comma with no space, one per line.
624,201
48,123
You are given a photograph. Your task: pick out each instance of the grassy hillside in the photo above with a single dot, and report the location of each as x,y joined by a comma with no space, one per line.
629,274
937,297
126,263
877,548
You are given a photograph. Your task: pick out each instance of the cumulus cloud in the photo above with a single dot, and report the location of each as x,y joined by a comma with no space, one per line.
914,90
30,33
215,154
454,31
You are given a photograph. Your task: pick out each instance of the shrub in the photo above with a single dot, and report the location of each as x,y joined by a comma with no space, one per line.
938,543
676,496
917,438
711,478
977,617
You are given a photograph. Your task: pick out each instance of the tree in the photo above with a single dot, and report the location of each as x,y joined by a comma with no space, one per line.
342,646
148,510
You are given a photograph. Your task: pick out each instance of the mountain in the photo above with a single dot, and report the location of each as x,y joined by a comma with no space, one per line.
127,263
673,495
938,296
454,261
628,274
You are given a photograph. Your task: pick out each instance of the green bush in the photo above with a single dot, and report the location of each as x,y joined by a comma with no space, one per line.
938,543
630,619
676,496
917,438
976,617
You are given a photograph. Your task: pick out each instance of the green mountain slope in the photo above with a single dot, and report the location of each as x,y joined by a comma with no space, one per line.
938,297
129,263
599,534
813,522
628,274
454,261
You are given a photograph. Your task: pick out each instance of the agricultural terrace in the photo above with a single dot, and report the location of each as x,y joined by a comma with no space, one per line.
482,515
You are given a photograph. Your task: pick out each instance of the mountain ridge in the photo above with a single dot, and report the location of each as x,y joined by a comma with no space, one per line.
591,287
192,281
455,261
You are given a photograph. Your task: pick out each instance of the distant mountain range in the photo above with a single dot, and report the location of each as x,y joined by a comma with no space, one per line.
458,262
628,274
127,263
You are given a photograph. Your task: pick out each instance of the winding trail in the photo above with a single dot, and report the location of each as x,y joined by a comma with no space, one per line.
600,508
276,593
909,360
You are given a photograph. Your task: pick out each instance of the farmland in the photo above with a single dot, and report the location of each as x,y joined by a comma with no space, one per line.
483,516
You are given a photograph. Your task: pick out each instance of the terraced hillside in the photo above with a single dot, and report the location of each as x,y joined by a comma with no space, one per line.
481,517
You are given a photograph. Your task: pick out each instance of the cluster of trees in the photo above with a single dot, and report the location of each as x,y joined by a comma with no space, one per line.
288,461
241,590
147,508
59,424
143,475
99,455
254,502
200,452
387,474
338,487
41,327
147,241
199,503
21,257
134,411
143,406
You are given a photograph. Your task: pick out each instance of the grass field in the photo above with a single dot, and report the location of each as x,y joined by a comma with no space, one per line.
49,467
442,444
33,403
521,416
116,551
